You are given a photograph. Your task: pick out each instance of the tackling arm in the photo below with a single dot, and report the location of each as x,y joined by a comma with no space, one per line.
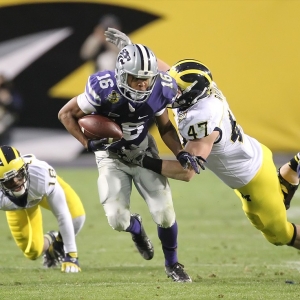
121,40
162,66
173,169
202,147
198,151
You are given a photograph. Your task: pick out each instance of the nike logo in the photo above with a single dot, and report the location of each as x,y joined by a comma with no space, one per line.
27,49
131,108
142,117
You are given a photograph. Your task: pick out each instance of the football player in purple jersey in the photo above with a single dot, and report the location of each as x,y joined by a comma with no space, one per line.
133,95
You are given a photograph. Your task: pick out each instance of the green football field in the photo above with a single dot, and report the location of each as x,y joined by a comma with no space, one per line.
222,252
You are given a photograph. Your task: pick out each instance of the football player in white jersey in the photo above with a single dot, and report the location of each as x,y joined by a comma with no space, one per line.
26,185
213,138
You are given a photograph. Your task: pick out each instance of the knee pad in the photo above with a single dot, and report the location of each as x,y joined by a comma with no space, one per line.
119,222
288,190
165,218
78,223
285,237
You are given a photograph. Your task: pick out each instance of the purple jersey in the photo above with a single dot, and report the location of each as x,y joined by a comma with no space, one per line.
103,93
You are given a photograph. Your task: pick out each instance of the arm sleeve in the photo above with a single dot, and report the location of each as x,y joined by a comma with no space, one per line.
84,105
58,204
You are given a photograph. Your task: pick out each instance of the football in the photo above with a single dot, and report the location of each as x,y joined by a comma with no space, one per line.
97,127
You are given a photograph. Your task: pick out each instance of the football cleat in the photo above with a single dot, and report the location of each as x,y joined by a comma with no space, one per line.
55,253
49,261
177,273
142,242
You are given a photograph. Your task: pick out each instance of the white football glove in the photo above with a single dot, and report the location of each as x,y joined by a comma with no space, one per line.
117,37
70,263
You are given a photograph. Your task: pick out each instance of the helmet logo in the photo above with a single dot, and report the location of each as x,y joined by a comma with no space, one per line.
138,61
123,57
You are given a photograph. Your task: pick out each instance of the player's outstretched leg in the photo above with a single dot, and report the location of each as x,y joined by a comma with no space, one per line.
141,241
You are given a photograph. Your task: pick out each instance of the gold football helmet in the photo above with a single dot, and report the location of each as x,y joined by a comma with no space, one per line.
194,81
13,172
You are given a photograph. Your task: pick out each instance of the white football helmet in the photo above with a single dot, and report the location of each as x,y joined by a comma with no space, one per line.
14,179
140,62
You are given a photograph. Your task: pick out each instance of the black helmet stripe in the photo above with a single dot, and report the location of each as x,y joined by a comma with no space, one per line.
8,153
187,65
191,64
145,55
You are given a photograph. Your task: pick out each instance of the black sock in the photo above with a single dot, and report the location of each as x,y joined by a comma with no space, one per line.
293,163
168,238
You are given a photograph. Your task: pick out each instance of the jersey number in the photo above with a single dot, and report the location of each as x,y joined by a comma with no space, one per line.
192,132
235,130
105,82
166,80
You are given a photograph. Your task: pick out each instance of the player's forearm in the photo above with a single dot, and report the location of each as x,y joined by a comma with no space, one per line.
173,169
68,116
60,210
162,66
169,168
171,139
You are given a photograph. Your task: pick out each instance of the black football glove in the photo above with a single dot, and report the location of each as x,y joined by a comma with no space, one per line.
96,145
186,159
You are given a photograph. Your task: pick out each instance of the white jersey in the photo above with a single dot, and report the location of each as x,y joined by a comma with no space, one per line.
42,180
43,183
235,157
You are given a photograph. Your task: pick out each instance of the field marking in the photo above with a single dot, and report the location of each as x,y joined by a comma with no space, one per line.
287,264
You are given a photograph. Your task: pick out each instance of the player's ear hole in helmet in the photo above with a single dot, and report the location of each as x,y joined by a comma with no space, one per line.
140,62
14,179
194,81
